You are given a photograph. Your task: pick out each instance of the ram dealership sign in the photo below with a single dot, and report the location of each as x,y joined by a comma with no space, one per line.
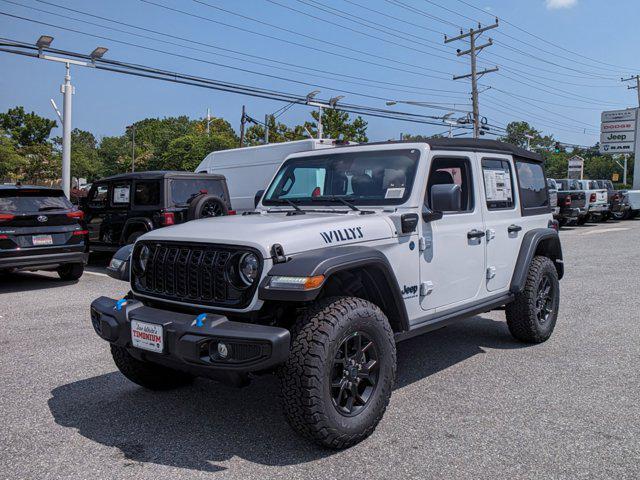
618,131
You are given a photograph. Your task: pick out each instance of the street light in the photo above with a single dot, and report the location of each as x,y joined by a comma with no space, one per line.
334,100
44,41
98,53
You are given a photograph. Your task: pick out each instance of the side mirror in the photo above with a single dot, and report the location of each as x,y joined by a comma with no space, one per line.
257,198
446,198
120,264
429,215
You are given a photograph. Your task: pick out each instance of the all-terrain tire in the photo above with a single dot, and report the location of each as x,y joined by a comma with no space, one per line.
133,236
317,338
148,375
70,271
582,220
524,314
205,206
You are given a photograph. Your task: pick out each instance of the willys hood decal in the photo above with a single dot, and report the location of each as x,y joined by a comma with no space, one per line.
296,233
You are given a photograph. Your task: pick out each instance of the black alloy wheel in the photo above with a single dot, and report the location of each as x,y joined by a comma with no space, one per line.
212,208
355,374
544,299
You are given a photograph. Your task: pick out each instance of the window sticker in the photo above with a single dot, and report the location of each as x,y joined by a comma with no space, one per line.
121,194
497,184
394,192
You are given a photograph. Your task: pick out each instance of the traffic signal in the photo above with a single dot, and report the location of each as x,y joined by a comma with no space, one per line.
557,148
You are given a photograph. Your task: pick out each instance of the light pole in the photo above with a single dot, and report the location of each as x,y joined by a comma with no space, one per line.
43,43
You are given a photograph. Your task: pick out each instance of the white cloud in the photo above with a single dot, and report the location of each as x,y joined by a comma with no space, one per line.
557,4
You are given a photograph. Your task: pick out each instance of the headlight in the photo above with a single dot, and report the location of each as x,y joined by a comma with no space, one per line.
115,263
143,257
248,268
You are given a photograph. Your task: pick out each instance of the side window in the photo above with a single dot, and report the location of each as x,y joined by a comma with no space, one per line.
533,188
121,193
98,197
146,193
451,171
498,184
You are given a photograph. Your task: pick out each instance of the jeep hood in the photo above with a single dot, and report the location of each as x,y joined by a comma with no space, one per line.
296,233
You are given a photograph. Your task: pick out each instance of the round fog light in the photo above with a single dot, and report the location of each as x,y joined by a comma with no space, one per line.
223,350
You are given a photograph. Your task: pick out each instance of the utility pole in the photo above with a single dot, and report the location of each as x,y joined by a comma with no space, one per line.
208,120
133,148
67,90
266,128
635,78
243,120
473,51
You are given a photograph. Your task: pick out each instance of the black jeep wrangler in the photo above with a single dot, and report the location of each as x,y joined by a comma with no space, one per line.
120,208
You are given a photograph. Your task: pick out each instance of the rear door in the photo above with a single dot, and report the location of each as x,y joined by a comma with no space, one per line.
501,215
97,206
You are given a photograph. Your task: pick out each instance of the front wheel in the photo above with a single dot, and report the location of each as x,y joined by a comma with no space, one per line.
337,381
146,374
532,316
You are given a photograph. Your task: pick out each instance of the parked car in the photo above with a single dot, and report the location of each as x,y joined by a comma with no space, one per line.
631,198
617,207
572,202
552,188
250,169
596,200
41,230
349,251
119,209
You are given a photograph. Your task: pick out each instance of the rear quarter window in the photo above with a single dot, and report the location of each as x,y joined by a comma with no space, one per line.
183,189
533,188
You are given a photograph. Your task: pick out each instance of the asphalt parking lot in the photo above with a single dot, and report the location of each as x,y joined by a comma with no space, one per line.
470,402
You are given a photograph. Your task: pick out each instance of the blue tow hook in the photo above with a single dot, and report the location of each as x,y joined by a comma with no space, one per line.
120,303
200,319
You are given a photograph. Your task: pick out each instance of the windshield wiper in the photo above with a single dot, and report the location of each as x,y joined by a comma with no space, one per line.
286,201
342,200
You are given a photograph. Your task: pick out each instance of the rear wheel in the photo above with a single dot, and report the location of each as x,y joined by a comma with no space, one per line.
582,220
148,375
339,375
71,271
532,316
134,236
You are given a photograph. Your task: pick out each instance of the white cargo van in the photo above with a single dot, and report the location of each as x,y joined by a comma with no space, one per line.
250,169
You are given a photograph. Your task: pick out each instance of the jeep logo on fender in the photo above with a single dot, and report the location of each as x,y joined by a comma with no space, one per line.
409,292
342,235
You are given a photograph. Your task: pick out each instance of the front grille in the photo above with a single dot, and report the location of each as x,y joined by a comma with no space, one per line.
191,273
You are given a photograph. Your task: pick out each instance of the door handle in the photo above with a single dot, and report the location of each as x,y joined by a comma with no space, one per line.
514,228
475,234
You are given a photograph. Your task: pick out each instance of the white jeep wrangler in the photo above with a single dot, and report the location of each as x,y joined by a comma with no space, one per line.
349,251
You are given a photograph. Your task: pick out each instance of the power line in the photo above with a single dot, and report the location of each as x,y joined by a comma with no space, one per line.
315,85
25,49
542,39
386,85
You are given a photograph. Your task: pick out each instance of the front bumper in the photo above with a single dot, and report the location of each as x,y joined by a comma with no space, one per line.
189,347
35,261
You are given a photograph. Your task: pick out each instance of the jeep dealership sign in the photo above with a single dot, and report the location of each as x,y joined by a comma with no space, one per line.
618,131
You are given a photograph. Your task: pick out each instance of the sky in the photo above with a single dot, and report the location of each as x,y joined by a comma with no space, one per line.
560,61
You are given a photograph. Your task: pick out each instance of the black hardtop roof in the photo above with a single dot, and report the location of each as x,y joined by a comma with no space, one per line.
29,187
158,174
470,144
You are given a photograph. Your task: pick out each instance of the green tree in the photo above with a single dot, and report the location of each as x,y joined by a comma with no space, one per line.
115,155
12,163
278,132
336,123
26,129
517,135
85,161
186,152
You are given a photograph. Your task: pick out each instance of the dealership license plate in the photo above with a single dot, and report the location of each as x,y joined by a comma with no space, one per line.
39,240
147,336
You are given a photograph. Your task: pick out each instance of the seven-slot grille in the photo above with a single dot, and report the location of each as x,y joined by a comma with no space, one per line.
189,273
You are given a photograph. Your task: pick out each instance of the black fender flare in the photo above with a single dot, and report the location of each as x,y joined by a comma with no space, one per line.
146,223
328,261
549,239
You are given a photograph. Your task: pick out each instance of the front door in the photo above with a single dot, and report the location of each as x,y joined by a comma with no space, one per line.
504,230
452,262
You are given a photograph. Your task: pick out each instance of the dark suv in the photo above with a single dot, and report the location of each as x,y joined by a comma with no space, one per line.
41,230
120,208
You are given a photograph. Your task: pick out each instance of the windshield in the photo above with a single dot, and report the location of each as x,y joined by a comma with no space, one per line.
363,178
21,201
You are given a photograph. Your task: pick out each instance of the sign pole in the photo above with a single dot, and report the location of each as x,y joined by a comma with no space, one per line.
636,164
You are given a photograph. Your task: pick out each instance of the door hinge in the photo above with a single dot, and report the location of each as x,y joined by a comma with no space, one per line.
491,234
426,288
423,244
491,272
